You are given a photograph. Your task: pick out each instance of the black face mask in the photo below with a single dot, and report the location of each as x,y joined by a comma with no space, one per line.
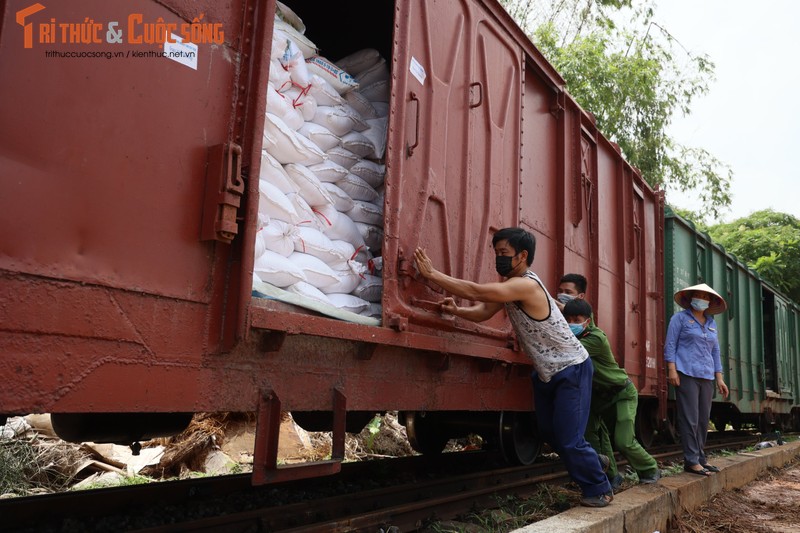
502,263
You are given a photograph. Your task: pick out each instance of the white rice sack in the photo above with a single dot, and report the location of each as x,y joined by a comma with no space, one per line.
263,220
339,226
342,157
375,266
341,200
376,133
323,92
274,204
328,171
346,250
357,188
360,61
374,310
279,237
286,32
367,213
358,143
370,171
376,92
305,213
316,271
278,76
372,233
361,105
370,288
381,108
314,242
278,270
273,173
348,302
381,194
293,60
311,188
340,119
377,72
286,146
301,100
319,135
280,106
285,14
307,290
337,77
349,278
260,245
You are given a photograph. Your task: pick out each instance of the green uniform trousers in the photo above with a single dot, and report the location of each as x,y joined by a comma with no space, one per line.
615,416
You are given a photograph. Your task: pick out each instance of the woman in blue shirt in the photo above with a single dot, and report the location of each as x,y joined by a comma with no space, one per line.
693,364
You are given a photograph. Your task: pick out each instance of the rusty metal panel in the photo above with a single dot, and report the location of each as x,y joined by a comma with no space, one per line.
453,161
108,293
104,158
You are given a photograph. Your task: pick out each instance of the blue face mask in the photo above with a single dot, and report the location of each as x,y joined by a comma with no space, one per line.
577,329
564,298
699,304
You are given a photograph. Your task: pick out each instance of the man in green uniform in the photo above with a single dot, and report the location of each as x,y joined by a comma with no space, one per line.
614,399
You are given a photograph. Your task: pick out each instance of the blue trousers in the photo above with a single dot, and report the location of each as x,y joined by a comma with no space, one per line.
562,410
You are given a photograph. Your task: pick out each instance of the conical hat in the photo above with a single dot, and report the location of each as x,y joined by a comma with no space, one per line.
716,306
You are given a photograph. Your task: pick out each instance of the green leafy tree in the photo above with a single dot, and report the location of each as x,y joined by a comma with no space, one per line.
634,80
769,243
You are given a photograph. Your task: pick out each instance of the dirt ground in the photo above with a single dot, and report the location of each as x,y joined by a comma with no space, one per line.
770,504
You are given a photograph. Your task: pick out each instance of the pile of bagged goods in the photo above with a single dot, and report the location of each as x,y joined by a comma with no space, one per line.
320,228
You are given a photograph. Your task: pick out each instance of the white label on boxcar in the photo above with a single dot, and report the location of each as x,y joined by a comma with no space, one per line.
417,70
183,53
650,362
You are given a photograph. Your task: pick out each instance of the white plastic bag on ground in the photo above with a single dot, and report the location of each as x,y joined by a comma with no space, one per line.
273,268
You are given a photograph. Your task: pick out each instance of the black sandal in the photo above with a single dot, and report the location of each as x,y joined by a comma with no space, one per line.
702,472
710,468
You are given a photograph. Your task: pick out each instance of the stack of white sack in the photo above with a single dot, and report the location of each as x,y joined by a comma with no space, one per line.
322,172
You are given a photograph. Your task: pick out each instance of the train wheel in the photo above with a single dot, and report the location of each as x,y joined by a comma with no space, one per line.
720,422
425,434
646,424
519,440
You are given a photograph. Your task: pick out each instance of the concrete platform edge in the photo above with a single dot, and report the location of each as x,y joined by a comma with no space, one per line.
649,508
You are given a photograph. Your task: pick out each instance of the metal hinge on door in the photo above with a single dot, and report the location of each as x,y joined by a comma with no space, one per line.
224,189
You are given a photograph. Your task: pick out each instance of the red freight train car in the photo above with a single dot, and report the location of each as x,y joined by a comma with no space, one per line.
128,214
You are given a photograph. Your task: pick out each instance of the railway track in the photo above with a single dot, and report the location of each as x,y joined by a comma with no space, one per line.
405,493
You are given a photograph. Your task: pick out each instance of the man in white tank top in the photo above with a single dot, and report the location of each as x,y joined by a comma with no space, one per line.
562,377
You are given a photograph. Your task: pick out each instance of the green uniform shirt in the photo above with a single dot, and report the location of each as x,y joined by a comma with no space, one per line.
608,378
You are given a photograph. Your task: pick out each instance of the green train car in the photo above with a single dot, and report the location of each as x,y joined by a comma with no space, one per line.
759,333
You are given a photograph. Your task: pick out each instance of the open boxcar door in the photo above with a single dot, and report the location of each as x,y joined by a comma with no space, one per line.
120,171
453,177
